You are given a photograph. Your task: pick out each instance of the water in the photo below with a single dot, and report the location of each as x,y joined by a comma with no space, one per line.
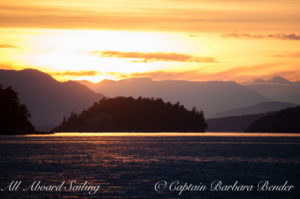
129,165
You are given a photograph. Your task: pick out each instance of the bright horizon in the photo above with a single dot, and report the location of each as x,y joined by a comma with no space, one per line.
186,40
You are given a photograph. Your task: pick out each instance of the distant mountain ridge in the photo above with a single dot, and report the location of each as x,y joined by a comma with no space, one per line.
256,109
48,100
211,97
232,123
277,89
283,121
254,118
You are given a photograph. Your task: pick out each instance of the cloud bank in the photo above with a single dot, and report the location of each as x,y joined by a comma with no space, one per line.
290,36
155,56
76,73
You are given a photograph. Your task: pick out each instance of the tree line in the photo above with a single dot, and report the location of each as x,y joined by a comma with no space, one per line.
127,114
14,116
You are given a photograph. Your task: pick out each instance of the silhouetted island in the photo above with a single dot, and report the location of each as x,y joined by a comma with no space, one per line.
127,114
284,121
14,116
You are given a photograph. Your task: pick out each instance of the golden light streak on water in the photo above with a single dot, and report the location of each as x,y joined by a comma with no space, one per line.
207,134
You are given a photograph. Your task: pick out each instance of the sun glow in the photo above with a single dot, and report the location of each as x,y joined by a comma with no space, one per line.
95,55
59,51
160,39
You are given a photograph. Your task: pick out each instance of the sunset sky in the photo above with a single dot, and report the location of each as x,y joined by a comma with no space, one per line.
195,40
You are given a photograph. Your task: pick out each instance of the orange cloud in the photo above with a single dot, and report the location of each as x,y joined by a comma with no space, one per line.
155,56
4,45
76,73
209,15
290,36
6,67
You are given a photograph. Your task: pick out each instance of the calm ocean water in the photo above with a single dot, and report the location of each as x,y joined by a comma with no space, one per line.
132,165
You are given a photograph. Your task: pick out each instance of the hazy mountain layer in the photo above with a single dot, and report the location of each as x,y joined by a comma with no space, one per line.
48,100
277,89
258,108
211,97
232,123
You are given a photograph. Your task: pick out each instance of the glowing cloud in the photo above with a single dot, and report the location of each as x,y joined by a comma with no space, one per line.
76,73
4,45
290,36
155,56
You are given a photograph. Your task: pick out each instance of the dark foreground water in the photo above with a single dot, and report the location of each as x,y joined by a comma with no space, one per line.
149,165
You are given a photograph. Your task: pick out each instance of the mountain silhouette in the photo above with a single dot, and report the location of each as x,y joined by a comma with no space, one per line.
232,123
211,97
263,107
278,79
283,121
277,89
47,100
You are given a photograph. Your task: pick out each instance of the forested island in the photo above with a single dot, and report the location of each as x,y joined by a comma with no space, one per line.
284,121
14,116
127,114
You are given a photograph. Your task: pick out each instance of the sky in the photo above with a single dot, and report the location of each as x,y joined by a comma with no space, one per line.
196,40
